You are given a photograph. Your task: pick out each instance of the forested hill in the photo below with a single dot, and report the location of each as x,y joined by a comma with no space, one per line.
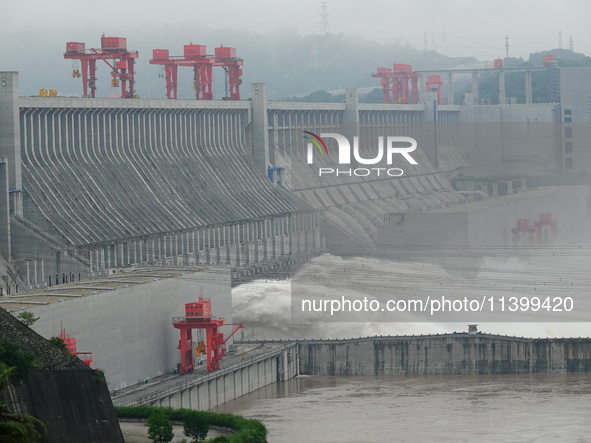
290,63
488,84
515,81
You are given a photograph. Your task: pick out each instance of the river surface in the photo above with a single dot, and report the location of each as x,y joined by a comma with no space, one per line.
436,408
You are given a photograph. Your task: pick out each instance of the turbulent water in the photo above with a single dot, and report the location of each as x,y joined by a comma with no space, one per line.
479,408
264,305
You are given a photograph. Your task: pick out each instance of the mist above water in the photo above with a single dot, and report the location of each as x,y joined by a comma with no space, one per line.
264,306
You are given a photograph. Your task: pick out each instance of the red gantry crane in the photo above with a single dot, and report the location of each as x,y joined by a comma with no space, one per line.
198,316
195,56
70,343
544,230
114,53
395,84
522,229
226,58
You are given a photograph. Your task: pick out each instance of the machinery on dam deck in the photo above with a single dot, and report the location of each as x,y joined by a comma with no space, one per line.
394,82
198,316
112,48
542,232
114,53
195,56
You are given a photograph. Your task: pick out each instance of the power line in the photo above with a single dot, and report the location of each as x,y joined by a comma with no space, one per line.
272,56
324,23
314,61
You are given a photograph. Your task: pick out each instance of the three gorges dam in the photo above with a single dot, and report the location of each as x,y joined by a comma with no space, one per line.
125,209
92,186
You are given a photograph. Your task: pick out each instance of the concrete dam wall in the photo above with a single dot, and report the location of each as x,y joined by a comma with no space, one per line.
95,184
99,184
444,354
124,183
354,206
110,174
489,223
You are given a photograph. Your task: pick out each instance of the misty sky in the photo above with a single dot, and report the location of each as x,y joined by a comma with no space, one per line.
471,27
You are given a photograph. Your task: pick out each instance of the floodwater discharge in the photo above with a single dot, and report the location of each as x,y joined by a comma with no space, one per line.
442,408
264,306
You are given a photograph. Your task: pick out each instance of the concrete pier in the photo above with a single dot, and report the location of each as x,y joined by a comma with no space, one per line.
457,353
475,93
502,95
10,137
528,88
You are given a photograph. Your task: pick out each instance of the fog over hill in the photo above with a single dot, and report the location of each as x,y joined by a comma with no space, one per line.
283,42
288,62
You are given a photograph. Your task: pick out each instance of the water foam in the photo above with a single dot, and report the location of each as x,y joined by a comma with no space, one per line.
264,306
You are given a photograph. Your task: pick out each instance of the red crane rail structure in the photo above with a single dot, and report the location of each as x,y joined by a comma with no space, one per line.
395,85
195,56
198,316
70,344
122,68
542,232
226,58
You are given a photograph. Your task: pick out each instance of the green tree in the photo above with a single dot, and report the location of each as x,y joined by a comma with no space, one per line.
13,357
159,427
28,318
59,342
196,426
374,96
250,436
16,428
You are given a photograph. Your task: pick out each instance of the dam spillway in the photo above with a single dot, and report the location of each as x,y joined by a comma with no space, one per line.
98,186
101,184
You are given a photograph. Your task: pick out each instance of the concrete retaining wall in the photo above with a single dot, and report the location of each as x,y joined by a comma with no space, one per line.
228,383
444,354
129,331
74,405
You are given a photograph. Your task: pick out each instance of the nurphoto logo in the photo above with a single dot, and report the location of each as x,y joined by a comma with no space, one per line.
402,146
